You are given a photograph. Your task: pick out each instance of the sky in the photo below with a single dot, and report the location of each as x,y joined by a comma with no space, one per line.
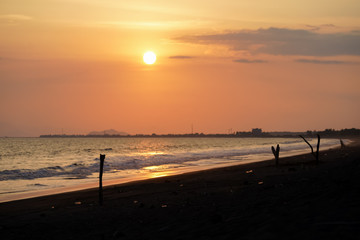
75,66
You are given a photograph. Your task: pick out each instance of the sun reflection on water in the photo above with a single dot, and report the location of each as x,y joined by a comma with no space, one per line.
151,153
157,174
156,171
152,168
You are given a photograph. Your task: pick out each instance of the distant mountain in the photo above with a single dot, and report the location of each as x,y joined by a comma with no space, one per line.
107,132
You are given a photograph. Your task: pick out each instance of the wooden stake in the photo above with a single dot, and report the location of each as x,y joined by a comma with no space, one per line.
342,144
102,158
317,149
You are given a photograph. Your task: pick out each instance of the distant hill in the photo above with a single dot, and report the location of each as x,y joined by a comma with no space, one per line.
110,132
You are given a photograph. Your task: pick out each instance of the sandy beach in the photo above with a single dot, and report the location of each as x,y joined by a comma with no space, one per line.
297,200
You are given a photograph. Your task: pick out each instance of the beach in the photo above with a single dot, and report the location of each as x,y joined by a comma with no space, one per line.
296,200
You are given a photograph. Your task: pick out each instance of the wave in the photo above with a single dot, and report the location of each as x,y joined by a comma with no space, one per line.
117,162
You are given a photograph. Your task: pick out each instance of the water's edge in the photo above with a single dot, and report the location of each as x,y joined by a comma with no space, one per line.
151,174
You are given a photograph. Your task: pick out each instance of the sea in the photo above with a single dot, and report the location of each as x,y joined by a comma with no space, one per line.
32,167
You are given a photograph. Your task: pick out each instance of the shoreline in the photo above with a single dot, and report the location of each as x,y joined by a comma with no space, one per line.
90,187
252,158
254,201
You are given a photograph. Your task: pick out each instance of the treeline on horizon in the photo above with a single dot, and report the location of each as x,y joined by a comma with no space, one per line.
325,133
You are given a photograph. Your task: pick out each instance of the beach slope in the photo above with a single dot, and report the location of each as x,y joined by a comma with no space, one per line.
297,200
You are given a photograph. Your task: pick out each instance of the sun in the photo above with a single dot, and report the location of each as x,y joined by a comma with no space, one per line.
149,57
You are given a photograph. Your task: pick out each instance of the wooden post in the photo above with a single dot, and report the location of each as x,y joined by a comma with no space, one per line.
276,154
102,158
342,144
317,149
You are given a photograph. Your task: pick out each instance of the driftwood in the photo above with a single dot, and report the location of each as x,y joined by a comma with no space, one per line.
102,158
276,154
315,154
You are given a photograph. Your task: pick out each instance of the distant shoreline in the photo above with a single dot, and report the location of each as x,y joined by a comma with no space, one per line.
166,135
268,135
327,133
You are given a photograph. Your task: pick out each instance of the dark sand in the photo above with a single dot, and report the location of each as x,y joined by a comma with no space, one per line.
298,200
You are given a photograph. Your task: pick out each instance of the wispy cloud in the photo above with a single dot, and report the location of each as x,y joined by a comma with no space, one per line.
150,24
316,61
319,27
13,18
283,41
134,24
249,61
10,59
180,57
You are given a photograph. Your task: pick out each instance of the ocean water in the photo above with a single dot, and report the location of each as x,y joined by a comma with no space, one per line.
38,165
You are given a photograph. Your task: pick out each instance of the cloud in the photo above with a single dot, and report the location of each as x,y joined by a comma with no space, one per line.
180,57
319,27
316,61
283,41
249,61
328,25
9,59
144,24
13,18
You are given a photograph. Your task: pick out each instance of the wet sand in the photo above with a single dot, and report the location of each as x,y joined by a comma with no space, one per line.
297,200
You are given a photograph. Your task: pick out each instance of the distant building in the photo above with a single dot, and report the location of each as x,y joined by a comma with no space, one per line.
256,131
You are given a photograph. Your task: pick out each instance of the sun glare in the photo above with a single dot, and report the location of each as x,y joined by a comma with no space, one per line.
149,57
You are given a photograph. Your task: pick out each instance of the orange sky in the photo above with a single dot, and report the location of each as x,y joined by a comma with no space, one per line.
76,66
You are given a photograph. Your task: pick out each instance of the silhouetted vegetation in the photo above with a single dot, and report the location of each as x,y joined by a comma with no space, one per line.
334,133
